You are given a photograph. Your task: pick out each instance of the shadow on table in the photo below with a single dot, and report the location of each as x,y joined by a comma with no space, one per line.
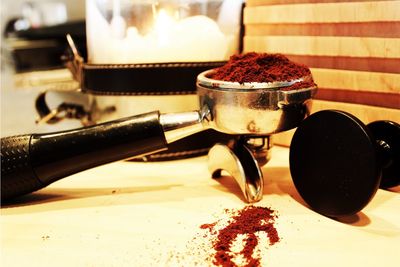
281,179
395,189
229,185
55,198
277,181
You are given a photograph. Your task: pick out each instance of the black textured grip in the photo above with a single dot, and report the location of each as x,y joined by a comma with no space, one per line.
31,162
17,175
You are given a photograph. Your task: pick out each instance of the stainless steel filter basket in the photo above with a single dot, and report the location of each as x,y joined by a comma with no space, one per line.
253,108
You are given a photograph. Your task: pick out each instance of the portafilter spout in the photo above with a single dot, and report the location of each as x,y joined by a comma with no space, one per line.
32,161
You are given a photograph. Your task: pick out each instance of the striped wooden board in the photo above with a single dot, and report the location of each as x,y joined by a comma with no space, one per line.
352,47
382,29
326,45
357,80
365,113
250,3
322,12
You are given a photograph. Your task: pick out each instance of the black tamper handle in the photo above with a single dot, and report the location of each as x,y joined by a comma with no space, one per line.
31,162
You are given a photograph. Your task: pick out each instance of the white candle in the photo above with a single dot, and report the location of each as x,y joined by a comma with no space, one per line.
196,38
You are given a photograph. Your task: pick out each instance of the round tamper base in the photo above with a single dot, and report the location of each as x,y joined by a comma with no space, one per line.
333,163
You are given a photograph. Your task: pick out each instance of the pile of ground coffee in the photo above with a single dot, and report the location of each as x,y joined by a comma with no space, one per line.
260,67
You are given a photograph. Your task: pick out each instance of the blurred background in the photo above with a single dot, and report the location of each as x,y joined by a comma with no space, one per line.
13,8
351,47
17,106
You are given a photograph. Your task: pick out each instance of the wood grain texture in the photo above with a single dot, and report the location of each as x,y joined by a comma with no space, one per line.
357,80
325,46
352,47
286,2
387,100
324,12
387,65
365,113
385,29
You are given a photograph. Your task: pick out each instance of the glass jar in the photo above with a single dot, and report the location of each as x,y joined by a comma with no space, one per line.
145,31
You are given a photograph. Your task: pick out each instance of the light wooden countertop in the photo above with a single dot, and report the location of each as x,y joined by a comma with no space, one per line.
145,214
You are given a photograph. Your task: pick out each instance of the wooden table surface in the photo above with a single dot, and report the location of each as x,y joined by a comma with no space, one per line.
149,214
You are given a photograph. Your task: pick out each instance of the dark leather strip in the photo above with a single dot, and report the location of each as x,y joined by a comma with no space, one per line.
143,79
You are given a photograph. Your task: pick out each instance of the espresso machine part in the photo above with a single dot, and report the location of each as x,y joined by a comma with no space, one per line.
252,110
253,113
242,158
337,163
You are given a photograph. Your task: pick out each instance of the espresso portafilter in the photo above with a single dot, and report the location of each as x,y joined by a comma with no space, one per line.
248,111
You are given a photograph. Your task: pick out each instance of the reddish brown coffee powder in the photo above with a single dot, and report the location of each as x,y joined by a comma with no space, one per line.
260,67
248,222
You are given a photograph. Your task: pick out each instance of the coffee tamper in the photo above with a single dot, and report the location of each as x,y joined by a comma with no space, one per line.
338,163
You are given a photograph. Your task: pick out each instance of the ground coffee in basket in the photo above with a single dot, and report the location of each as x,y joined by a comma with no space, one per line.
261,67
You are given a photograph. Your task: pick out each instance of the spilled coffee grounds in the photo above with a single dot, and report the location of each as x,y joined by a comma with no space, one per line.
260,67
247,223
236,237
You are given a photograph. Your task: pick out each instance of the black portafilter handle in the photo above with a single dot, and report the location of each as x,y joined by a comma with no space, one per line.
338,163
31,162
